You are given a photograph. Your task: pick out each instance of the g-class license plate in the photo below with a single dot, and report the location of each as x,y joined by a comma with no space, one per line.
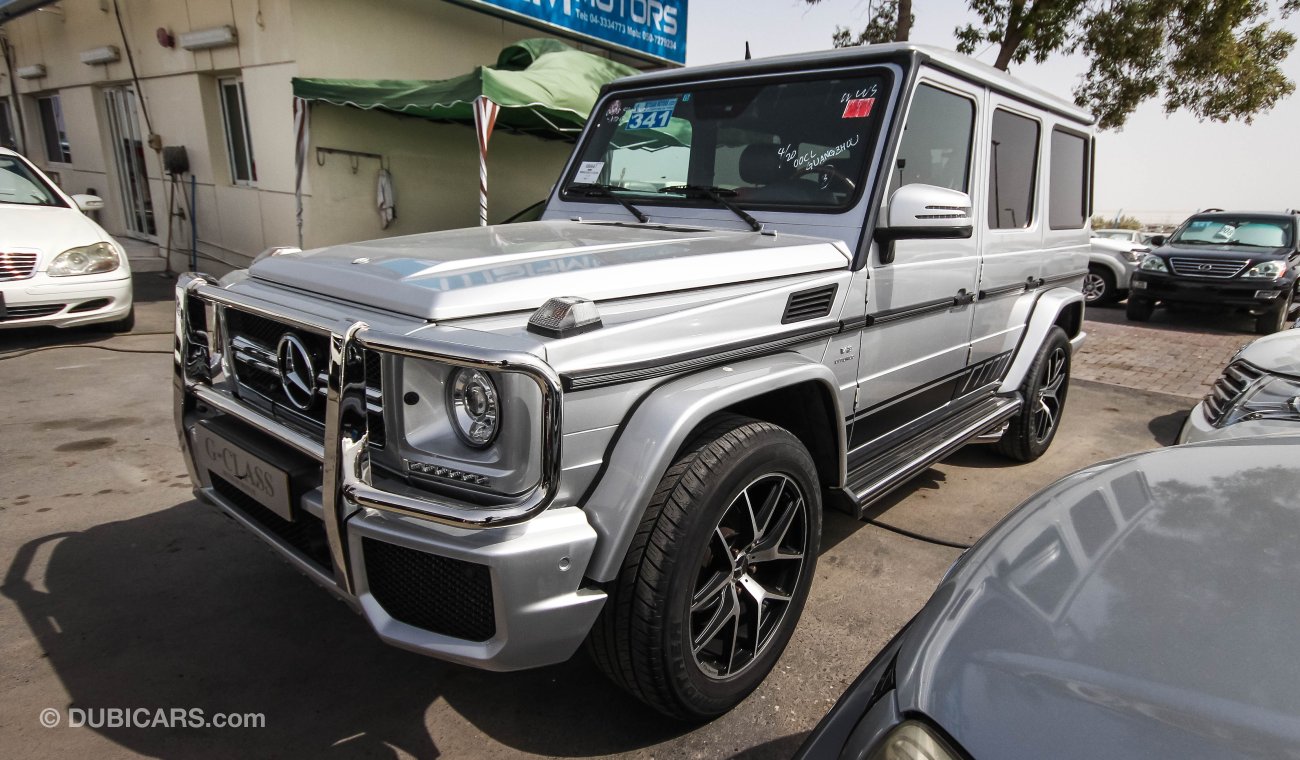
265,483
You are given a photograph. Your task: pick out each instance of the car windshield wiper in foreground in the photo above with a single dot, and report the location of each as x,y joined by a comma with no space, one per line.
715,194
593,189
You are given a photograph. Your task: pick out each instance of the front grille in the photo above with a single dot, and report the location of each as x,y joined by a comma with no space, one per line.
254,346
306,534
31,312
16,266
1220,268
438,594
1236,377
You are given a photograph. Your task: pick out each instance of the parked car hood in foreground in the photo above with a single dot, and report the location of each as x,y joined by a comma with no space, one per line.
1278,353
1142,608
490,270
50,230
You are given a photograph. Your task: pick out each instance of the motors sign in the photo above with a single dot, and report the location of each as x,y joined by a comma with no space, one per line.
651,29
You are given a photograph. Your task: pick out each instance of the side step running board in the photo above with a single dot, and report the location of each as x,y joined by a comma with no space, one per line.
876,477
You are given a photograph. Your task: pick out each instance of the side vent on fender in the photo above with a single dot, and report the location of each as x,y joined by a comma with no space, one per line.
809,304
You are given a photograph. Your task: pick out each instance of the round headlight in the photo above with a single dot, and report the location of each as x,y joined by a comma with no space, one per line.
475,407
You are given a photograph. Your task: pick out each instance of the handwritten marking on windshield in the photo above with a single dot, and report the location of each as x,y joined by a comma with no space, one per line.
814,159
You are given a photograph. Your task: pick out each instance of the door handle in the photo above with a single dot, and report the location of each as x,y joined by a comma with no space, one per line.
963,298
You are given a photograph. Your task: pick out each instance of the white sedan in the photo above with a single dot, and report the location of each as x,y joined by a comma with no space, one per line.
57,267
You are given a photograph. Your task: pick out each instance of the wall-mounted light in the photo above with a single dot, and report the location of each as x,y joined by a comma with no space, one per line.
106,54
35,71
205,39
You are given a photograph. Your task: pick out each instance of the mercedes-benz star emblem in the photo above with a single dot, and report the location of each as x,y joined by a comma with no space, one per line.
297,375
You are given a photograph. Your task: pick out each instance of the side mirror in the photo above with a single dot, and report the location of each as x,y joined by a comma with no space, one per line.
88,202
925,212
1157,240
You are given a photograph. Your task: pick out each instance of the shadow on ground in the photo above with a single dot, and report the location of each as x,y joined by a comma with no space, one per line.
180,608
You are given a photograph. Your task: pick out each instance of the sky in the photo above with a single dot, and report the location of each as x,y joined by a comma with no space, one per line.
1158,168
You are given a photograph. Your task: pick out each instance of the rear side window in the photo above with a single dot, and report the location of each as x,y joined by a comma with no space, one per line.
1067,188
935,149
1014,166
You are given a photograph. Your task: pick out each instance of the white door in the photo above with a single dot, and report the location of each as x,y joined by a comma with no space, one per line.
917,340
128,159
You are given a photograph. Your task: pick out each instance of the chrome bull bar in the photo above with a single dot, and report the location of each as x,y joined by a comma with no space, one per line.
347,485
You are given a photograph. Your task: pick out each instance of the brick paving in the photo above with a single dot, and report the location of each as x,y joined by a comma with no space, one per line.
1180,353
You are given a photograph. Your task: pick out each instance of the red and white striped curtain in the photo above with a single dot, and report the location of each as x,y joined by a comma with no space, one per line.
485,118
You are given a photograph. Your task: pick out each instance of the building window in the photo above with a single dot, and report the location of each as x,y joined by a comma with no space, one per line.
52,129
8,138
1067,187
935,149
1015,163
234,115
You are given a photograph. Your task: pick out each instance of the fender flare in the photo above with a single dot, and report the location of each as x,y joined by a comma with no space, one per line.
1117,269
659,426
1046,315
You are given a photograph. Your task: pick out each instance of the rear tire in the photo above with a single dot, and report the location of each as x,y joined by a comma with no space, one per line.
1099,286
1046,384
1274,320
718,572
1138,309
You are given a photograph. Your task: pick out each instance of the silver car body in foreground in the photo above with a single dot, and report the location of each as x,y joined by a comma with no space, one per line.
411,424
1144,607
1257,394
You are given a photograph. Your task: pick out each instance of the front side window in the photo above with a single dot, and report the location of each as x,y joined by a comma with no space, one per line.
935,149
234,113
1253,232
1014,166
20,185
787,145
1067,187
55,134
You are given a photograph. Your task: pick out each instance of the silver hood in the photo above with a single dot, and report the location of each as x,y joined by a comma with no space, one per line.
1145,608
490,270
1278,353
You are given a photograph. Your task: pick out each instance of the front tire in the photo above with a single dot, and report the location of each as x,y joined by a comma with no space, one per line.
1274,320
1138,309
1099,286
718,572
1046,384
124,325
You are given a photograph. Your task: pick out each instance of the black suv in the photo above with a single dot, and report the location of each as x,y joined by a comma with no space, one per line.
1244,261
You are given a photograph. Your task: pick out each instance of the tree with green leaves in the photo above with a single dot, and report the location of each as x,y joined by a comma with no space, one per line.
1217,59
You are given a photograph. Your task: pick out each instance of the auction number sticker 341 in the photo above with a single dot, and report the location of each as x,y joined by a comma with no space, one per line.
651,114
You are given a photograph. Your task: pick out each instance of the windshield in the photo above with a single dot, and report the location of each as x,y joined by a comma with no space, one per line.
798,145
19,184
1256,232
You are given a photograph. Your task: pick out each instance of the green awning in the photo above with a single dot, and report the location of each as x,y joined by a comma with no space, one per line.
543,87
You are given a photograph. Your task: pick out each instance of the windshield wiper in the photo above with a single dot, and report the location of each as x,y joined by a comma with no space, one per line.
715,194
594,189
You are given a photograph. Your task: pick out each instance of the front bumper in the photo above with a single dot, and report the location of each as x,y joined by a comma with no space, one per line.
1197,428
500,589
67,301
1233,292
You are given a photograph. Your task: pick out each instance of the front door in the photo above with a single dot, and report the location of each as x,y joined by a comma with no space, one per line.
917,340
128,159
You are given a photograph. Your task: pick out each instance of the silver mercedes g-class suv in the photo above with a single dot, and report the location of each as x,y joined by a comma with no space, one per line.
757,289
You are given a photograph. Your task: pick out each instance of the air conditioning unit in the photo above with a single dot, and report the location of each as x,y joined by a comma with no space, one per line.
106,54
206,39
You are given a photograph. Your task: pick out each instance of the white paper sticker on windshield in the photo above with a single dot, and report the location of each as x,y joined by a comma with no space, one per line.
589,172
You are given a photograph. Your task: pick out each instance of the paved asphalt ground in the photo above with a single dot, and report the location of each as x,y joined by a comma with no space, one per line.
120,590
